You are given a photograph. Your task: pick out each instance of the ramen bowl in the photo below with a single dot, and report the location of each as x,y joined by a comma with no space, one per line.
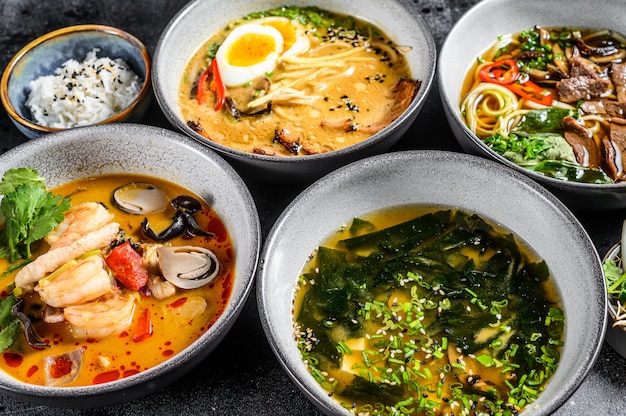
120,148
436,179
198,21
481,27
45,55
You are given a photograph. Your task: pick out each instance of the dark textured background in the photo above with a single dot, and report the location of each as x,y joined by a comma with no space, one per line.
242,376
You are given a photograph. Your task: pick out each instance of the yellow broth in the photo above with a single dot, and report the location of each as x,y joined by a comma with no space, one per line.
410,329
174,325
340,101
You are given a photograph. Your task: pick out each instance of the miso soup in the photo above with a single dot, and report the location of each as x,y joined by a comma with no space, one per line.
422,310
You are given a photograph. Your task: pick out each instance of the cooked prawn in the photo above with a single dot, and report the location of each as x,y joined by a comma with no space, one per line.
108,315
53,259
80,281
79,221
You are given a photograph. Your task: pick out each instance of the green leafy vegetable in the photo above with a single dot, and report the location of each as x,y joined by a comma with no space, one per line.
547,120
615,279
566,170
30,211
9,325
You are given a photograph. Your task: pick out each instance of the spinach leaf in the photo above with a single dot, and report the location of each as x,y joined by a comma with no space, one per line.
569,171
546,120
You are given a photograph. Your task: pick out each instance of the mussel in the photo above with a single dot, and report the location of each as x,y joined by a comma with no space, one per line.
188,267
139,198
183,221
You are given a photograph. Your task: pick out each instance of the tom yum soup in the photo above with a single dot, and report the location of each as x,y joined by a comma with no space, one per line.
424,312
295,81
553,100
108,277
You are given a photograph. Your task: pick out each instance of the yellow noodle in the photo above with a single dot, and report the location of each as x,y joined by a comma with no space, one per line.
485,105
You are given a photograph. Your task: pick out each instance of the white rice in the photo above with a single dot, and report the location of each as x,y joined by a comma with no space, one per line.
82,93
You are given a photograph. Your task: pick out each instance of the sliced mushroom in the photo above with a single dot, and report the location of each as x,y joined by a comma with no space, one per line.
239,98
188,267
139,198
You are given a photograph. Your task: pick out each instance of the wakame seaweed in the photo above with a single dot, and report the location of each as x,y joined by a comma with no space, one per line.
422,314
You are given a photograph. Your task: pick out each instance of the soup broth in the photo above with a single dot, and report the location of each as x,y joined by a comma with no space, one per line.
174,321
420,310
316,82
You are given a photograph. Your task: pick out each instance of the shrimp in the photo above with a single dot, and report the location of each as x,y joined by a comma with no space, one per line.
77,282
53,259
79,221
108,315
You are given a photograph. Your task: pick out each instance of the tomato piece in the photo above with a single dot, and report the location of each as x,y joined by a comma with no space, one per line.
501,72
532,92
143,330
127,266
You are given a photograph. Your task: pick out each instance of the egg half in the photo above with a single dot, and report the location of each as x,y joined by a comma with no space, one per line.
295,40
254,49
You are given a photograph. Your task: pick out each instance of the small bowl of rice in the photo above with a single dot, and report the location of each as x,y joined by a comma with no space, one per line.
77,76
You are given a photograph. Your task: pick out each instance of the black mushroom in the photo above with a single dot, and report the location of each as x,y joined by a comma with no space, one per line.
27,326
187,267
139,198
183,222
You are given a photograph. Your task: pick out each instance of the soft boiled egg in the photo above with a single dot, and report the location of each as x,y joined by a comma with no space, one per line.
295,40
248,52
254,49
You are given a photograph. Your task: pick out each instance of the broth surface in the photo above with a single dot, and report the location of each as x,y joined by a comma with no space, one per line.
177,321
420,310
346,83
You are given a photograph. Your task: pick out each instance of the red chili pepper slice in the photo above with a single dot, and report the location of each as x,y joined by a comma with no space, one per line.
202,89
127,266
215,85
500,72
143,330
530,91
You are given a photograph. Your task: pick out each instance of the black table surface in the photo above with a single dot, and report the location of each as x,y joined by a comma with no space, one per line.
242,376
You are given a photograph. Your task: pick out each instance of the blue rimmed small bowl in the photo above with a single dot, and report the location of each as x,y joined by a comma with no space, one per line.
45,54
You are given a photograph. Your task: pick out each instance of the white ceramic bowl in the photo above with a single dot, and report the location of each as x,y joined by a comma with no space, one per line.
478,29
474,184
130,148
200,19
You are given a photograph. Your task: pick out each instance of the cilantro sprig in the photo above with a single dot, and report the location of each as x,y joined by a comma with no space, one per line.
30,212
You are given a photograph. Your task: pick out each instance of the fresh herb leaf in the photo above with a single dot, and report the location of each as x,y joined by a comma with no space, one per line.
9,325
20,176
29,210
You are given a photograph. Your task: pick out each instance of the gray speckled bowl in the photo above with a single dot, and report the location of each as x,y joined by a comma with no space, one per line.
45,54
474,184
124,147
478,29
200,19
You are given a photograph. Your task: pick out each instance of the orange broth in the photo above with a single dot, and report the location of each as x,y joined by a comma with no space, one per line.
119,356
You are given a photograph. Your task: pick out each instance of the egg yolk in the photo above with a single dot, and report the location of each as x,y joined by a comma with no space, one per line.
250,49
287,31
